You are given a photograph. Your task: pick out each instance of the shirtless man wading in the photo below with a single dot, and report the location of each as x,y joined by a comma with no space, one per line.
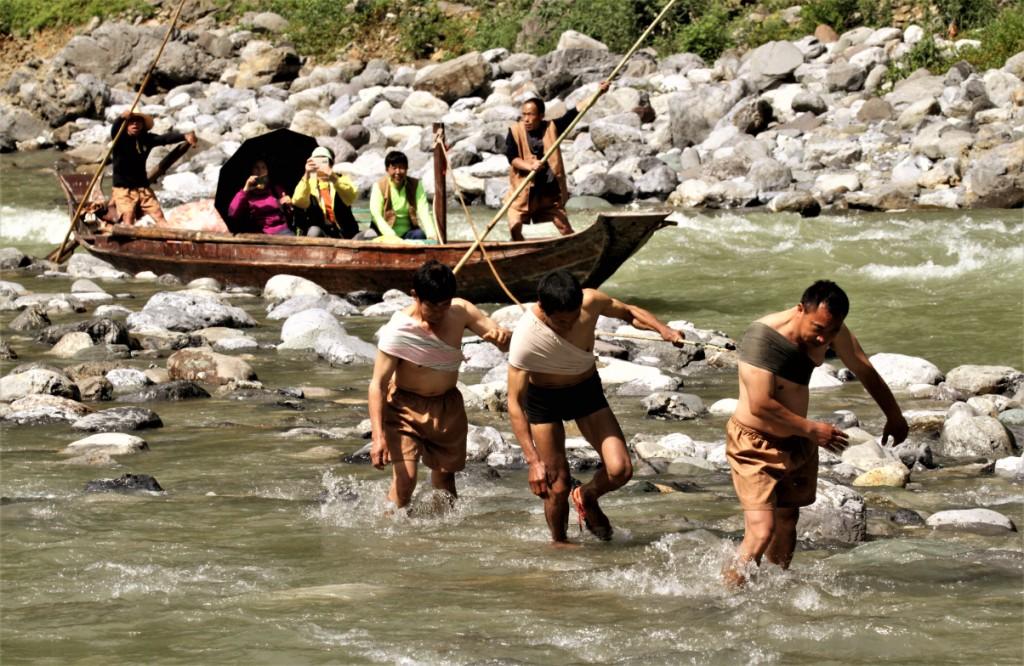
552,377
771,445
415,410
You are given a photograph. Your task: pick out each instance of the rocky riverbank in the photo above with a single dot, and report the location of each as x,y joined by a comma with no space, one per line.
111,364
796,126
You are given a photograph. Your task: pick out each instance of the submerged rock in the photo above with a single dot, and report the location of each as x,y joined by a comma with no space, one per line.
37,409
179,390
206,365
838,514
119,418
110,443
125,484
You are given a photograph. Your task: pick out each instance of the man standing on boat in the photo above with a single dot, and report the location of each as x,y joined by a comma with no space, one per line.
528,140
131,191
552,377
416,411
323,199
398,202
771,444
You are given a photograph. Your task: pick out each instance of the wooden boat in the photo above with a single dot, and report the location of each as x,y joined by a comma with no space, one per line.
343,266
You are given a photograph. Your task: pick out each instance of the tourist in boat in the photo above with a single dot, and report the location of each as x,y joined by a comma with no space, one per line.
398,202
527,141
261,205
771,445
131,192
323,199
416,411
552,378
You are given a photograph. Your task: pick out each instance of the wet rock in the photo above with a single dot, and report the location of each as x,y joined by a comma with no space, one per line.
900,371
838,514
158,339
965,436
280,288
344,349
109,443
95,389
37,381
980,379
177,390
724,407
913,454
802,203
6,352
32,318
894,474
100,331
978,521
83,265
907,518
673,447
71,344
38,409
675,406
119,419
481,356
991,404
481,442
1012,417
188,311
125,484
126,379
393,301
753,116
225,339
337,306
205,365
12,258
490,396
360,456
1011,467
866,454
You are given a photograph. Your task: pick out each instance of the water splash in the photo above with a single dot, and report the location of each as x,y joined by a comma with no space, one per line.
26,225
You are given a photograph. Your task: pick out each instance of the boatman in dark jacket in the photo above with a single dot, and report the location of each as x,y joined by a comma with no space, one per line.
131,192
544,198
771,445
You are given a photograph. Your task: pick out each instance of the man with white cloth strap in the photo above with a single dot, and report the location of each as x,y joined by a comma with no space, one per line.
415,409
552,377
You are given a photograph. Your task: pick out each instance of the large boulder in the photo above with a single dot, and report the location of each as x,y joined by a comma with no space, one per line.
995,178
303,329
457,78
18,125
838,514
206,365
110,443
772,62
188,311
37,381
336,305
900,371
979,521
282,287
965,436
119,419
37,409
263,63
982,379
83,265
562,71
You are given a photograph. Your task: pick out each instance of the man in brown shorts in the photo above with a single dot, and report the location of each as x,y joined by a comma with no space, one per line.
771,444
416,412
552,378
131,192
527,141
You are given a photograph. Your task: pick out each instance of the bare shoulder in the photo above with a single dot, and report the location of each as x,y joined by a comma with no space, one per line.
594,299
777,319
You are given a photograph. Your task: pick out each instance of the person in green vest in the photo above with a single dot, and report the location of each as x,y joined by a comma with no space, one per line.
398,203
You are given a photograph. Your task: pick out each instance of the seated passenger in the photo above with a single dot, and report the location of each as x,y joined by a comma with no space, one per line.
261,206
398,203
333,194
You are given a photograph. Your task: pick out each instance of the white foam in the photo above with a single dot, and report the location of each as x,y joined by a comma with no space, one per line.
27,225
970,257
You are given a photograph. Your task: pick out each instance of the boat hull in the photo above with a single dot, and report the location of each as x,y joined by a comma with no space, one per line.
340,266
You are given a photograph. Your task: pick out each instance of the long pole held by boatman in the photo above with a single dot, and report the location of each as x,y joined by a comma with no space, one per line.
58,255
568,130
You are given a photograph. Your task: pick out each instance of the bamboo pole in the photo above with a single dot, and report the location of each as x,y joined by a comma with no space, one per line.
568,130
58,256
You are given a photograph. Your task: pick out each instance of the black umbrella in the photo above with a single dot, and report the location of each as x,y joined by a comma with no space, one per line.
285,153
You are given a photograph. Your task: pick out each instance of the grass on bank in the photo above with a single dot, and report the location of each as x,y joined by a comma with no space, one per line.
430,29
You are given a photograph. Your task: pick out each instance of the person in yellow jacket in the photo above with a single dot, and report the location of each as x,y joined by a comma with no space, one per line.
333,195
398,202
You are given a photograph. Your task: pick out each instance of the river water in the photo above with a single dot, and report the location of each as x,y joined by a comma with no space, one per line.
238,562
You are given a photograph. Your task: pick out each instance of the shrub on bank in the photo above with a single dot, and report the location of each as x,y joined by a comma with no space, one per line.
24,17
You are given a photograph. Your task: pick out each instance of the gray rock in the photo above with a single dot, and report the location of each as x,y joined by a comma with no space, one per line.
752,116
335,305
975,436
982,379
481,356
31,318
110,443
261,67
460,77
874,110
302,329
82,265
809,102
1011,467
11,258
843,76
184,311
37,381
173,391
913,453
978,521
71,344
119,419
768,175
658,182
343,349
39,409
205,365
269,22
838,514
772,62
674,406
900,371
995,178
799,202
127,483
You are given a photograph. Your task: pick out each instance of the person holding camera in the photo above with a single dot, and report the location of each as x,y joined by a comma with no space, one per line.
333,194
261,206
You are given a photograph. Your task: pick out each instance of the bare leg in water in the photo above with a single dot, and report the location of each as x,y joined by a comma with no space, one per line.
770,533
601,429
549,439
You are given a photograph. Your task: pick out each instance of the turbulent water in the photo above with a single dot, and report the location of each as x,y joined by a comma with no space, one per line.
238,561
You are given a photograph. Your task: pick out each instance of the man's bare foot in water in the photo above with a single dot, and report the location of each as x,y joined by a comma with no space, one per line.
566,545
595,520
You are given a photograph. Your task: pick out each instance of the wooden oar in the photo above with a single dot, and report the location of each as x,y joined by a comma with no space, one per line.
58,254
568,130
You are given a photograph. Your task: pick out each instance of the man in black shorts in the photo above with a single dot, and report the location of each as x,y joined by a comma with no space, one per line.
552,377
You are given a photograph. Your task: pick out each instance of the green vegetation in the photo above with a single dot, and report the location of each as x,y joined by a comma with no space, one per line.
23,17
432,29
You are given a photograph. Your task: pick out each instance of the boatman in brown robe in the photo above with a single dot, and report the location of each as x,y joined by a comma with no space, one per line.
416,412
528,140
552,377
771,445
